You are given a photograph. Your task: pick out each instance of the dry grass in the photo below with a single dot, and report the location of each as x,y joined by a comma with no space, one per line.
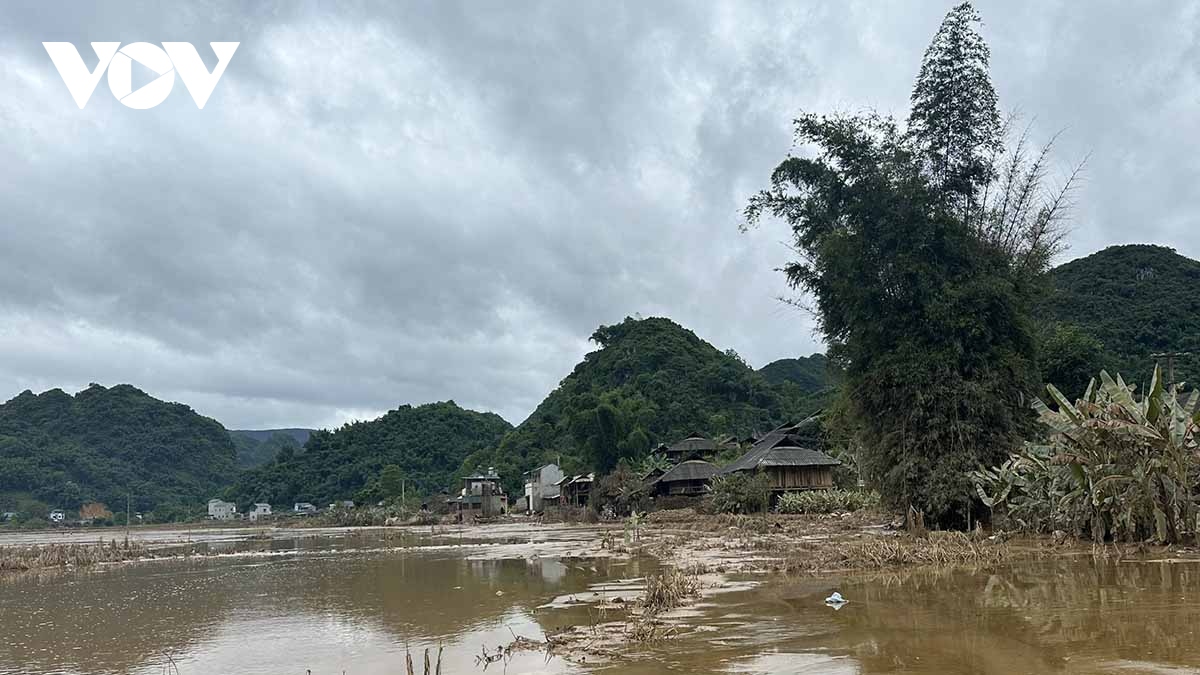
47,556
670,589
939,549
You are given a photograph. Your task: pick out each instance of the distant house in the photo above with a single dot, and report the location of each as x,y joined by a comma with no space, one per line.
541,487
8,515
57,516
345,504
219,509
694,446
784,455
304,508
690,478
576,490
482,496
259,511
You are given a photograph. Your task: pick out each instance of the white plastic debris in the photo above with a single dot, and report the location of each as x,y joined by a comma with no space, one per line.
836,600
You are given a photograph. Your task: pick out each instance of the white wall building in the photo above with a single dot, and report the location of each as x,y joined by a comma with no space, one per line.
259,511
221,510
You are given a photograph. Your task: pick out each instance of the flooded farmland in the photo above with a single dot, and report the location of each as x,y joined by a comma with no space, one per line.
357,601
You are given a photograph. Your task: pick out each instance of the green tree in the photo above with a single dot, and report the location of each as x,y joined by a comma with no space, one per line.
955,119
922,259
1068,356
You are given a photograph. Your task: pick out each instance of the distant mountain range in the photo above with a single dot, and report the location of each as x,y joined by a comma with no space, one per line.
425,444
648,381
110,445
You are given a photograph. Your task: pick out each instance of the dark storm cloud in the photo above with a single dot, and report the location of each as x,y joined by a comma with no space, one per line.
389,203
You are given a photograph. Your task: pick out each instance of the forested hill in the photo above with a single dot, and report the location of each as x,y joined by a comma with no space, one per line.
650,381
426,444
103,444
810,373
256,447
1136,300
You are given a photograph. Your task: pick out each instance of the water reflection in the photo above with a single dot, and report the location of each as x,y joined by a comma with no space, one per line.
353,611
1068,616
302,604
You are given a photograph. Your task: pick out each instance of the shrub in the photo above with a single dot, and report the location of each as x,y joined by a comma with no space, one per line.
1115,466
827,501
740,493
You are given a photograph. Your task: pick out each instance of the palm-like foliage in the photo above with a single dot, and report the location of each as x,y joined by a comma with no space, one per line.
1114,465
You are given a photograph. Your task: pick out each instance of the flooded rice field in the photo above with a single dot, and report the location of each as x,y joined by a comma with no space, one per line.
334,601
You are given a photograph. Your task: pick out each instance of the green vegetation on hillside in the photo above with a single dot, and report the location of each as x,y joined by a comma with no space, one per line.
810,373
650,381
1136,300
103,445
426,445
257,447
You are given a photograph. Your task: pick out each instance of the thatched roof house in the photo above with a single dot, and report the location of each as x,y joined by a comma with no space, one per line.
784,455
686,478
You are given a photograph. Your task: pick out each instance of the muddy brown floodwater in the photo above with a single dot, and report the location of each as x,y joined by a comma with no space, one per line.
339,601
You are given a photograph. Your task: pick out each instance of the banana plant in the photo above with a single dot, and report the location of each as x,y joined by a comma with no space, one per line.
1114,464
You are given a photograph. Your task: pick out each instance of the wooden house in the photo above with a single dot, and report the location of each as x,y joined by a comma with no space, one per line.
576,490
690,478
695,446
787,457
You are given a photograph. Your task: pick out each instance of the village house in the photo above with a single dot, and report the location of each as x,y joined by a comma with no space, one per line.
576,490
482,496
57,516
219,509
695,446
686,479
304,508
259,511
541,487
8,515
785,457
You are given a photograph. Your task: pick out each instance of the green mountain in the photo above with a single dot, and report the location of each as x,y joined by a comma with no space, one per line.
810,373
1136,300
256,447
650,381
106,444
426,443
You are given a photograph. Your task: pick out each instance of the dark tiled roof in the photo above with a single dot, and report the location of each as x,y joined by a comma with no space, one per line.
693,445
691,470
780,448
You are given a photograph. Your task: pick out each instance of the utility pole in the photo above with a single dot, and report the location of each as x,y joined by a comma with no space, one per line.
1170,357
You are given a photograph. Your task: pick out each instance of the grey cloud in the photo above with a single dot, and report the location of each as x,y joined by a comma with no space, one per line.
404,202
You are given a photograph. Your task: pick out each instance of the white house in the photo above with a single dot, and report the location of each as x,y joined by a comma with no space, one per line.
221,510
58,515
303,508
541,487
259,511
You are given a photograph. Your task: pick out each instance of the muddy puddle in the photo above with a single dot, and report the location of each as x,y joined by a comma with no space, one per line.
354,601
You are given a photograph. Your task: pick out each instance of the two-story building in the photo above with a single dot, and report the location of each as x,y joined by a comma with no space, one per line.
482,496
541,487
259,511
219,509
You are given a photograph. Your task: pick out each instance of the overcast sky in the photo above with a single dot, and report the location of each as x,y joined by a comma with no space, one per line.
406,202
